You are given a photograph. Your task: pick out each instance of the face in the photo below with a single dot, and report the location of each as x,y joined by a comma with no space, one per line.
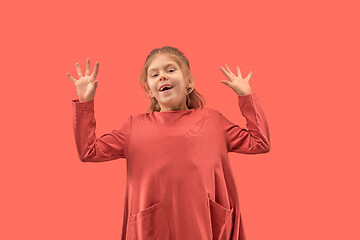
164,70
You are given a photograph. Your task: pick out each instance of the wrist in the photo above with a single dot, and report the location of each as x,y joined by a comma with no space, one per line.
244,93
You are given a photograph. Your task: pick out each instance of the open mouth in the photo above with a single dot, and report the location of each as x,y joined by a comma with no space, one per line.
166,89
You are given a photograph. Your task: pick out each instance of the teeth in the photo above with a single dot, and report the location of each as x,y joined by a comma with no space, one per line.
164,87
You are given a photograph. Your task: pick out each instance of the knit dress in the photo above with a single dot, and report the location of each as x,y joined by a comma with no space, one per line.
180,184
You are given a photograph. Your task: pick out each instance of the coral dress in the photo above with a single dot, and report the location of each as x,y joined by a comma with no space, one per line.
180,185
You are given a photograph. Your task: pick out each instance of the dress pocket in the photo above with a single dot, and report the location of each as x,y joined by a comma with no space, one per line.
221,220
150,223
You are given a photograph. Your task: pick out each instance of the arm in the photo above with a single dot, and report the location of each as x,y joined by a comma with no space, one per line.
254,139
108,147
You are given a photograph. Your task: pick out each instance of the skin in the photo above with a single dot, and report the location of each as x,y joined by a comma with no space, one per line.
237,83
85,85
175,99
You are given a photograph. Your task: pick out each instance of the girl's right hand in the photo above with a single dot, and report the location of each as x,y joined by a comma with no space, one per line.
86,85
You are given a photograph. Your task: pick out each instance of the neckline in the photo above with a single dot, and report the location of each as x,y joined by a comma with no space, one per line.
175,111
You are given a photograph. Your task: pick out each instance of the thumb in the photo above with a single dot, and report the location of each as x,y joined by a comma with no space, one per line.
95,83
226,83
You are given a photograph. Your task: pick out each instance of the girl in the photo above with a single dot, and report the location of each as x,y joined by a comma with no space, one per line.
180,185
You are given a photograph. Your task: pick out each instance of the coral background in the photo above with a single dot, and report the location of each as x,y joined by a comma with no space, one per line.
305,62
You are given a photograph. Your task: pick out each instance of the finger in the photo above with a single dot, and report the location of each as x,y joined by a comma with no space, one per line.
71,77
249,75
238,71
87,73
226,73
94,84
227,83
96,70
229,70
78,70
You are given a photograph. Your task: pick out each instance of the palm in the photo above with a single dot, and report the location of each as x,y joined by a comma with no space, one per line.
85,84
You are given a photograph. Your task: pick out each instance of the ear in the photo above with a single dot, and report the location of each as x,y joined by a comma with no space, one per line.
190,84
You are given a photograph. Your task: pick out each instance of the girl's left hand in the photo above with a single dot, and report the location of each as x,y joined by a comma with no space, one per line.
237,83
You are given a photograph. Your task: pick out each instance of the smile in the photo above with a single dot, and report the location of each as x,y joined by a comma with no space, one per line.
165,91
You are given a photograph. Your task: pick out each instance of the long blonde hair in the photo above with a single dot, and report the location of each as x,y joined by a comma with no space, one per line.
193,100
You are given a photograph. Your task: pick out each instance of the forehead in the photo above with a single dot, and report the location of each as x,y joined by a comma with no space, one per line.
161,61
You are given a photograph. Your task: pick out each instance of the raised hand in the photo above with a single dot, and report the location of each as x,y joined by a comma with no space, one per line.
86,85
239,84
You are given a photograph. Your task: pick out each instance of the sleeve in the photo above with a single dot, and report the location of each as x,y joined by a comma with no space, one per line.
254,139
109,146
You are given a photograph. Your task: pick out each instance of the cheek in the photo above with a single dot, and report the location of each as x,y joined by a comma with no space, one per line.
152,87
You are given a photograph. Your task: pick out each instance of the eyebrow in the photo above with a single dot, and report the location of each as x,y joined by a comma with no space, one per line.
165,66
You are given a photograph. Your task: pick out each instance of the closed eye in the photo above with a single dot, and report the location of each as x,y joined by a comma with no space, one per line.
156,74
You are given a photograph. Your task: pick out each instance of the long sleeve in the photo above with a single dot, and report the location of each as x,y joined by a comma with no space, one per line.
109,146
254,139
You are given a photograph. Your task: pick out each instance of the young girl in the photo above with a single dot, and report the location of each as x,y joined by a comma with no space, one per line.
180,185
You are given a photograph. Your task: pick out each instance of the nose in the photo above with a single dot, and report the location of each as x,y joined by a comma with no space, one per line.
163,75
